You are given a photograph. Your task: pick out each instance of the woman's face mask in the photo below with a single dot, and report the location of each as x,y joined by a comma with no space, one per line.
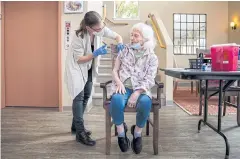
136,40
97,30
100,33
136,46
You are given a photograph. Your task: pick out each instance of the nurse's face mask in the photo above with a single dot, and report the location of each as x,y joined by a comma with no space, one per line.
97,29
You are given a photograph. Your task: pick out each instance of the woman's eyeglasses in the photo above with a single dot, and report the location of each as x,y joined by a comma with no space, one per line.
99,29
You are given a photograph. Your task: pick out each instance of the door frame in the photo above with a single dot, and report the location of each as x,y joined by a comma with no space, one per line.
2,58
59,45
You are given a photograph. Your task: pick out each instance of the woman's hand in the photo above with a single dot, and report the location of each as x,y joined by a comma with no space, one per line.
100,51
120,88
133,99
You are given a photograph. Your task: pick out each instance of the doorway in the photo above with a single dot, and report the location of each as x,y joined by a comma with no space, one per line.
31,54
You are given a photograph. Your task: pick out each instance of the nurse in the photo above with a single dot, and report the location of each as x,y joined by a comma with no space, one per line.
80,66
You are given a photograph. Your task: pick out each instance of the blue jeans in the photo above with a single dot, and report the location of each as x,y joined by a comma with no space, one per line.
80,103
119,101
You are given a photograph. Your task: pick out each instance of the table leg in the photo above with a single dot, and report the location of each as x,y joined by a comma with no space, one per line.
218,130
206,102
238,106
200,97
220,105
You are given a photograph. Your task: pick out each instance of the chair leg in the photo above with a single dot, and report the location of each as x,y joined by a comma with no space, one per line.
116,133
155,130
234,99
197,88
175,87
191,87
224,104
147,128
108,132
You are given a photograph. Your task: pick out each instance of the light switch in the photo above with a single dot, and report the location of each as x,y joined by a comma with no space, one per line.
67,34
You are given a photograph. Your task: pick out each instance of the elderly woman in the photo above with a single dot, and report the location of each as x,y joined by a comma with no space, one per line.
133,77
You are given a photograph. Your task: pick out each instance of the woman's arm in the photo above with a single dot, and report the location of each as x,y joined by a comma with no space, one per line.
77,48
120,87
84,59
78,51
108,33
119,39
116,69
115,36
100,51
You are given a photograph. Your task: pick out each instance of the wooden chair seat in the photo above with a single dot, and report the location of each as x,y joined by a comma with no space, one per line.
155,103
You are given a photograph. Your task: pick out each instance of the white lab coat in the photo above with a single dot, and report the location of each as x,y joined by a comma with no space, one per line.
76,75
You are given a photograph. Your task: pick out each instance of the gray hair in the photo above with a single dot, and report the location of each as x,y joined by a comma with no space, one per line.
147,33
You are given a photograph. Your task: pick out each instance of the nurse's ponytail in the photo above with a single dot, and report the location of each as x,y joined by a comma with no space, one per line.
82,30
90,19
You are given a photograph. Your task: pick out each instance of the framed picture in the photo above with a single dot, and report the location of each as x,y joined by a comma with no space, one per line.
71,7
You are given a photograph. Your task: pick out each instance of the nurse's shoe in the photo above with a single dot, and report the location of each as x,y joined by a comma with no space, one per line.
73,131
85,139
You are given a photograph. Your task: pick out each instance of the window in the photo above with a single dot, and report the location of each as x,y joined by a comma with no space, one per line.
189,33
126,10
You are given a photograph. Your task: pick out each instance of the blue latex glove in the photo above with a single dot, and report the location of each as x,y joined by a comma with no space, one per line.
100,51
120,47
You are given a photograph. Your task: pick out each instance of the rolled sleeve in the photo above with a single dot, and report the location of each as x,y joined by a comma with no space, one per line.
77,48
108,33
123,53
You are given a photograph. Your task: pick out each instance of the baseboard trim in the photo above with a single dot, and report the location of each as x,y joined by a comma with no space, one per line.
170,103
67,108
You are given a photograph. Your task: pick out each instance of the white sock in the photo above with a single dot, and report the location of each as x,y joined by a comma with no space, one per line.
120,130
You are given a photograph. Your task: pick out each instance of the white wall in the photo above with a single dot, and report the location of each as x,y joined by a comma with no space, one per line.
165,58
234,16
217,19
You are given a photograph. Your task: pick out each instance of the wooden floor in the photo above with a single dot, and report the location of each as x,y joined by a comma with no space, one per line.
35,133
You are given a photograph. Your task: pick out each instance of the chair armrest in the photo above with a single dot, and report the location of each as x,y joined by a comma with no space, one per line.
160,86
104,87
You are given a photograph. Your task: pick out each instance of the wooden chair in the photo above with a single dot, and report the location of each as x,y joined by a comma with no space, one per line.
212,87
156,105
206,53
232,91
176,81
